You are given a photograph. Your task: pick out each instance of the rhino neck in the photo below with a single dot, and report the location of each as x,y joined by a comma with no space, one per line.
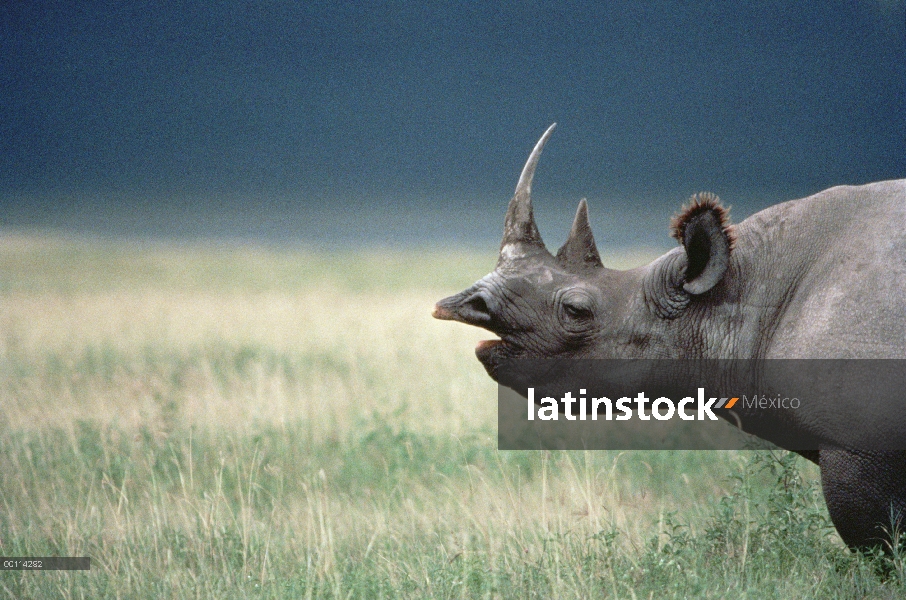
738,317
767,266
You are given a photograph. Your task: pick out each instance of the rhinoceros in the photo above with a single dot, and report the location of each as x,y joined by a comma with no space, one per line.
815,278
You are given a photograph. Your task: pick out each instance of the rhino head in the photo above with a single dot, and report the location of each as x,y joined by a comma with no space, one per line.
569,305
780,285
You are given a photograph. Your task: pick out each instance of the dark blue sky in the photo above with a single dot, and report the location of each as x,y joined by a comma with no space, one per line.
258,117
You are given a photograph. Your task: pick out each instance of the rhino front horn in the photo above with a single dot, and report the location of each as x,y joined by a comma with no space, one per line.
520,234
580,250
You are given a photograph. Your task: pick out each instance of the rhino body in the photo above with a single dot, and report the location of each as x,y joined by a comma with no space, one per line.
815,278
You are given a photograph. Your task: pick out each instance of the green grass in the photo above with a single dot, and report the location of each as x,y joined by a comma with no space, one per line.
232,421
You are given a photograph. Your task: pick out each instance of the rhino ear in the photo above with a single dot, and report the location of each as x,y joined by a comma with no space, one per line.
579,250
703,228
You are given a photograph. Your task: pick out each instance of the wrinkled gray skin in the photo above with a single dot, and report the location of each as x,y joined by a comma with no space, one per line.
819,277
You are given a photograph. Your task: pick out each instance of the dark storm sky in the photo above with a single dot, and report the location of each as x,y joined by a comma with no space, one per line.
308,119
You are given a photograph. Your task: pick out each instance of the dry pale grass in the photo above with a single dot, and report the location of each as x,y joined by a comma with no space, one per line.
387,337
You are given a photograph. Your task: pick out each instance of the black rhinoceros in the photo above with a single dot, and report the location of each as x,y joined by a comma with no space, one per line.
820,277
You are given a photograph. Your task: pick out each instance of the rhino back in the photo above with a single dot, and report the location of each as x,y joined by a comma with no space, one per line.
833,272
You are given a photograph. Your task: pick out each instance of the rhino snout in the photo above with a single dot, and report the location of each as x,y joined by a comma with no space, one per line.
470,307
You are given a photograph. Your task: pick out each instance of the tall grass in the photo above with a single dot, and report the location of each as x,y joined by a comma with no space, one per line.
229,422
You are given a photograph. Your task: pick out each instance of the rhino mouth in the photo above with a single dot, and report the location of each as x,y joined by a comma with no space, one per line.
492,353
472,309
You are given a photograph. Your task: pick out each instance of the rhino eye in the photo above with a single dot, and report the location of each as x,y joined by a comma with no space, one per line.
577,312
577,307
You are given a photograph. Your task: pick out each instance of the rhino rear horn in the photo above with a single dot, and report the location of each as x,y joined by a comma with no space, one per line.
580,250
520,234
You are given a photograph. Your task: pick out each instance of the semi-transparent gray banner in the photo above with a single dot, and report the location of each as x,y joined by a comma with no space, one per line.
702,405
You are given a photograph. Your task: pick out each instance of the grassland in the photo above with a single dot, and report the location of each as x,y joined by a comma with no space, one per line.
238,422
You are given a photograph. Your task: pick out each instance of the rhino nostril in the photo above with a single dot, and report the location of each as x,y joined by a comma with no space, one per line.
478,307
